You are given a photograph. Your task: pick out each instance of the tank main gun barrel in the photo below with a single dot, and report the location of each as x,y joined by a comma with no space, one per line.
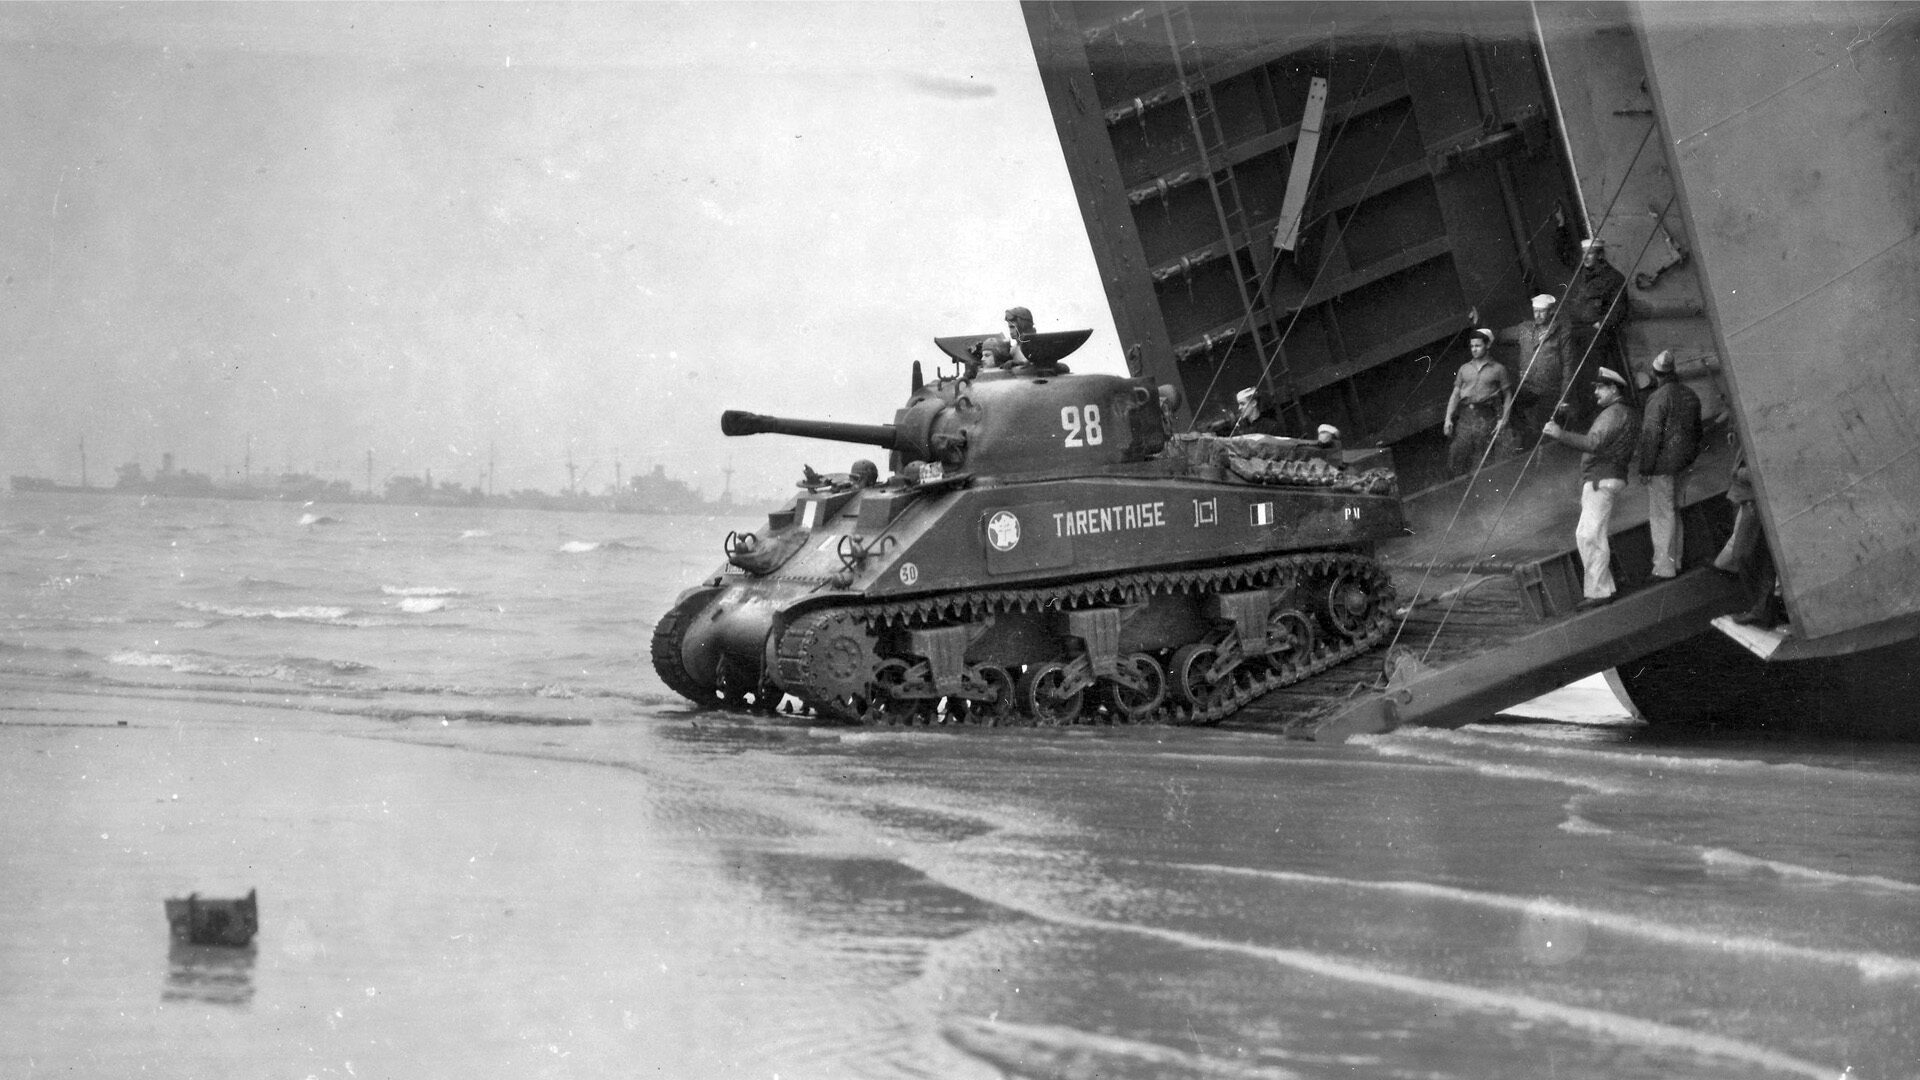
736,422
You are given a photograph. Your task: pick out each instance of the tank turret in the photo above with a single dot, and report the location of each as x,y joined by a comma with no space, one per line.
1044,550
1001,424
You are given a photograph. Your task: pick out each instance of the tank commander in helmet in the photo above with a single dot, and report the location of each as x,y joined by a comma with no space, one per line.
993,352
1543,366
1019,335
1019,329
1595,308
1607,450
1477,407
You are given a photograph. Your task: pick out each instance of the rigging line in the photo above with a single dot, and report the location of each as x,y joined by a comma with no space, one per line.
1566,381
1851,52
1267,278
1300,309
1849,486
1407,398
1834,280
1532,454
1200,145
1606,215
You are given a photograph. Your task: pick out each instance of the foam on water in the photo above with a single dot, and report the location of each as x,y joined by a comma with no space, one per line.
1521,739
1394,746
295,613
1873,966
1602,1023
1721,857
1056,1050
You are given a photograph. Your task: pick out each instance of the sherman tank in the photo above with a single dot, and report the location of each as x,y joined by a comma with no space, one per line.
1044,550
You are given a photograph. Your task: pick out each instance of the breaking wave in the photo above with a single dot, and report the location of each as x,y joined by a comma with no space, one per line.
322,613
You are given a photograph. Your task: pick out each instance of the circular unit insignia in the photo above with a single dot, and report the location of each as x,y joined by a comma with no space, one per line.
909,573
1003,531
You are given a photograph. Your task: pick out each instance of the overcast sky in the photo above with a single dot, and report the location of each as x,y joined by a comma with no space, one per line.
426,230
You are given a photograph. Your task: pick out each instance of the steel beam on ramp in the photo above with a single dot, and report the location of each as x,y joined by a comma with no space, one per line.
1476,687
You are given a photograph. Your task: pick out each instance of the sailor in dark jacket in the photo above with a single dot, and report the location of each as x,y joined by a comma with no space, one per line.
1252,415
1669,441
1595,308
1608,452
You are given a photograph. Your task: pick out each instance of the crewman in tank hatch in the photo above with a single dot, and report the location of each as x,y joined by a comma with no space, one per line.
993,353
1019,329
1252,415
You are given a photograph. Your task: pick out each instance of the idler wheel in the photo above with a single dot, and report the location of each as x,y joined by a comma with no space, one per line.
1289,638
740,686
1138,687
1043,694
1349,605
1190,676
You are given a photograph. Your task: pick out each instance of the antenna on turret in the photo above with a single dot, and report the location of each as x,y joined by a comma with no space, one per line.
918,380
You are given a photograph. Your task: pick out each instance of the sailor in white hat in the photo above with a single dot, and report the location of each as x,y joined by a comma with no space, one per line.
1607,452
1541,366
1478,405
1251,415
1328,437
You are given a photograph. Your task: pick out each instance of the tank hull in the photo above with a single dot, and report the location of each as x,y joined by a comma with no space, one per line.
1167,588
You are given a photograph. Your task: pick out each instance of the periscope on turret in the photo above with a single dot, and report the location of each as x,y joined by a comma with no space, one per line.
1044,550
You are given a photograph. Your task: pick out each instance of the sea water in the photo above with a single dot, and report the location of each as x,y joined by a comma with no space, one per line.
487,841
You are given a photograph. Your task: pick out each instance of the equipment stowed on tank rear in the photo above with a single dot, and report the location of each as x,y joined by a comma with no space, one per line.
1043,550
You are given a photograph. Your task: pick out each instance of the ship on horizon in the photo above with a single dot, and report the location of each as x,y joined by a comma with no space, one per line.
648,493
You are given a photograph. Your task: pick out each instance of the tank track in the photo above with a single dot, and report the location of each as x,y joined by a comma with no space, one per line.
667,635
824,632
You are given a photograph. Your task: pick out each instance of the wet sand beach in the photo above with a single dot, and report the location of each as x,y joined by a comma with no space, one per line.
487,842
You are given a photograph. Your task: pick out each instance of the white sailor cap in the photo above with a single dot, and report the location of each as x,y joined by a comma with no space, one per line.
1483,333
1663,363
1613,376
1594,244
1329,429
1544,301
1246,395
